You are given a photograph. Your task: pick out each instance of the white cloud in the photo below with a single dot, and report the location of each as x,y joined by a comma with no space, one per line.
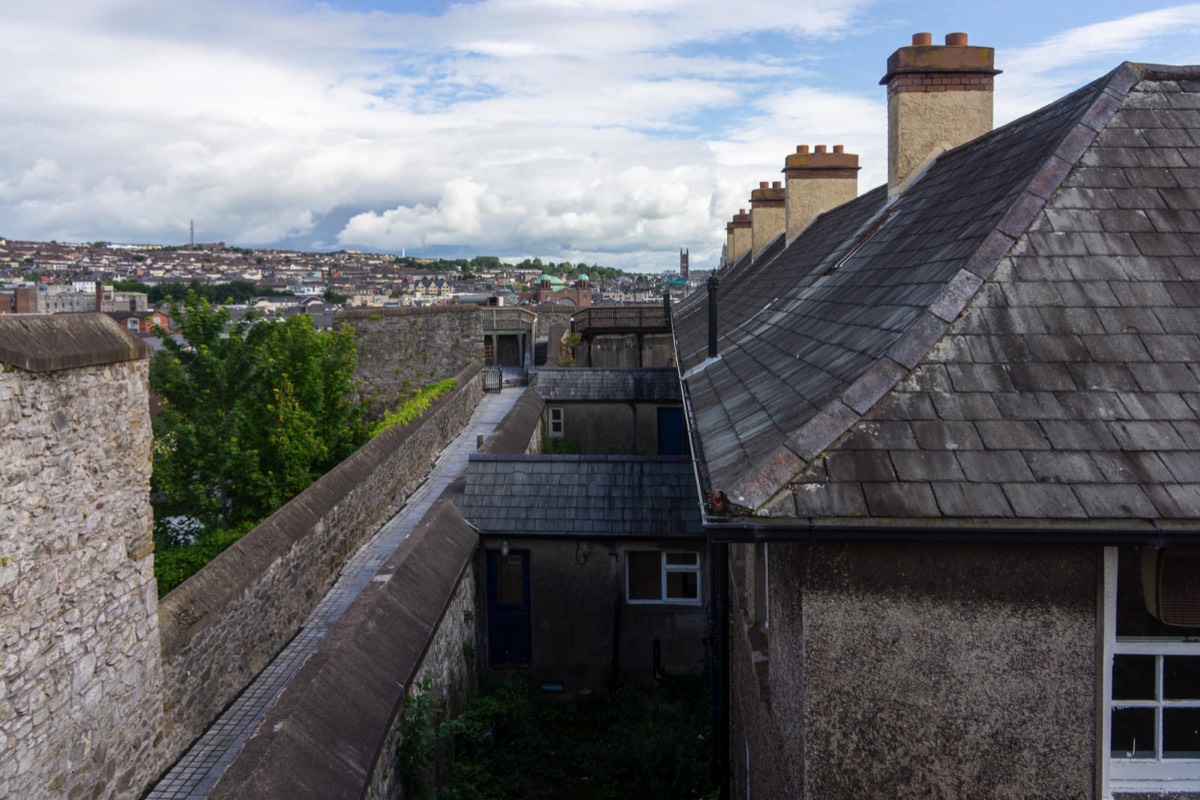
1044,71
613,131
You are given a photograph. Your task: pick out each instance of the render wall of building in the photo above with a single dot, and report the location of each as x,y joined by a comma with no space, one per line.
402,350
224,624
80,678
584,633
611,428
921,670
627,351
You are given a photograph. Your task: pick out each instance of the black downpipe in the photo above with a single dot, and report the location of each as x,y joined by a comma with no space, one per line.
718,560
614,679
713,284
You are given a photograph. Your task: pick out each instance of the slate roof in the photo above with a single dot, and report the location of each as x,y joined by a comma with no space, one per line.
582,495
1014,337
608,385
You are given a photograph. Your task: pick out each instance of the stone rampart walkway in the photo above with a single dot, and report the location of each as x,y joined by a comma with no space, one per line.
200,767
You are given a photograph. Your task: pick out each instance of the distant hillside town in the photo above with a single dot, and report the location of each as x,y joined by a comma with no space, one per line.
134,280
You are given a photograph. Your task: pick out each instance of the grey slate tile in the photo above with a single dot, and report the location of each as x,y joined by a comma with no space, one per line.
1176,501
1167,377
926,465
979,377
1012,435
1153,435
900,499
1115,502
1043,501
1063,467
1141,468
1079,435
997,466
957,499
829,500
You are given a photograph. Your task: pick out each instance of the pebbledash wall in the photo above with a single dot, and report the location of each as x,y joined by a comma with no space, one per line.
80,675
223,625
400,350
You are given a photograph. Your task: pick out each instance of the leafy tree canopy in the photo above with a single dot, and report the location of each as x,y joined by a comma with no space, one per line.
253,412
239,292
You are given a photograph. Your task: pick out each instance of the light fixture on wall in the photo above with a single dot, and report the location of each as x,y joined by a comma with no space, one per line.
504,548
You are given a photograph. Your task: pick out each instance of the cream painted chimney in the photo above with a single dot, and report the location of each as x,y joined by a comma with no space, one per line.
738,232
817,182
938,98
768,215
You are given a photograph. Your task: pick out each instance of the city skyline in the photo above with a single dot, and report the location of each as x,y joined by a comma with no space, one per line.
613,133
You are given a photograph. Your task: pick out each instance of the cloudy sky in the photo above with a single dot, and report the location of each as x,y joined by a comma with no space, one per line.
605,131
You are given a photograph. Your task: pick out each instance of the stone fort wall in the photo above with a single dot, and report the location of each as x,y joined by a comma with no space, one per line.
80,675
401,350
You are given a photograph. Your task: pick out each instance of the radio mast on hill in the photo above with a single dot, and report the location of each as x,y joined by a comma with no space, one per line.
191,233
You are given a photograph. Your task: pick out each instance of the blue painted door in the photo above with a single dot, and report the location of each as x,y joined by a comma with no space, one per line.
670,432
508,608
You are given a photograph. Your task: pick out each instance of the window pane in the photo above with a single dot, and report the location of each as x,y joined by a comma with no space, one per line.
683,559
645,576
1181,733
682,586
1133,733
1181,678
1133,677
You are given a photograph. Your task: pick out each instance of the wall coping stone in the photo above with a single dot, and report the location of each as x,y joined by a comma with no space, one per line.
512,435
51,342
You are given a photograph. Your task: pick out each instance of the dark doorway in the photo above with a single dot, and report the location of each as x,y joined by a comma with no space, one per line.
508,608
670,432
508,351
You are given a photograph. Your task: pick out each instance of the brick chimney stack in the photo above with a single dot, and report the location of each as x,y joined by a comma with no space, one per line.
817,182
938,98
738,236
768,215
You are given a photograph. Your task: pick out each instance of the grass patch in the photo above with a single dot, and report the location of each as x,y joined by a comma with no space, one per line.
414,407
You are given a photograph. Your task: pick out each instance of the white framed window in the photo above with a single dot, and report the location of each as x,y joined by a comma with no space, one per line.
131,323
1151,725
654,576
556,422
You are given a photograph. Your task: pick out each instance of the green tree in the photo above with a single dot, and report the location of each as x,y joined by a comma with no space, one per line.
253,412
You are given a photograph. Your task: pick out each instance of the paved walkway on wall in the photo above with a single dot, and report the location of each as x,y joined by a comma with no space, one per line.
200,767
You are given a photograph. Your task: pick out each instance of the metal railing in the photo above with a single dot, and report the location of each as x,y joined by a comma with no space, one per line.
493,379
624,319
507,319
